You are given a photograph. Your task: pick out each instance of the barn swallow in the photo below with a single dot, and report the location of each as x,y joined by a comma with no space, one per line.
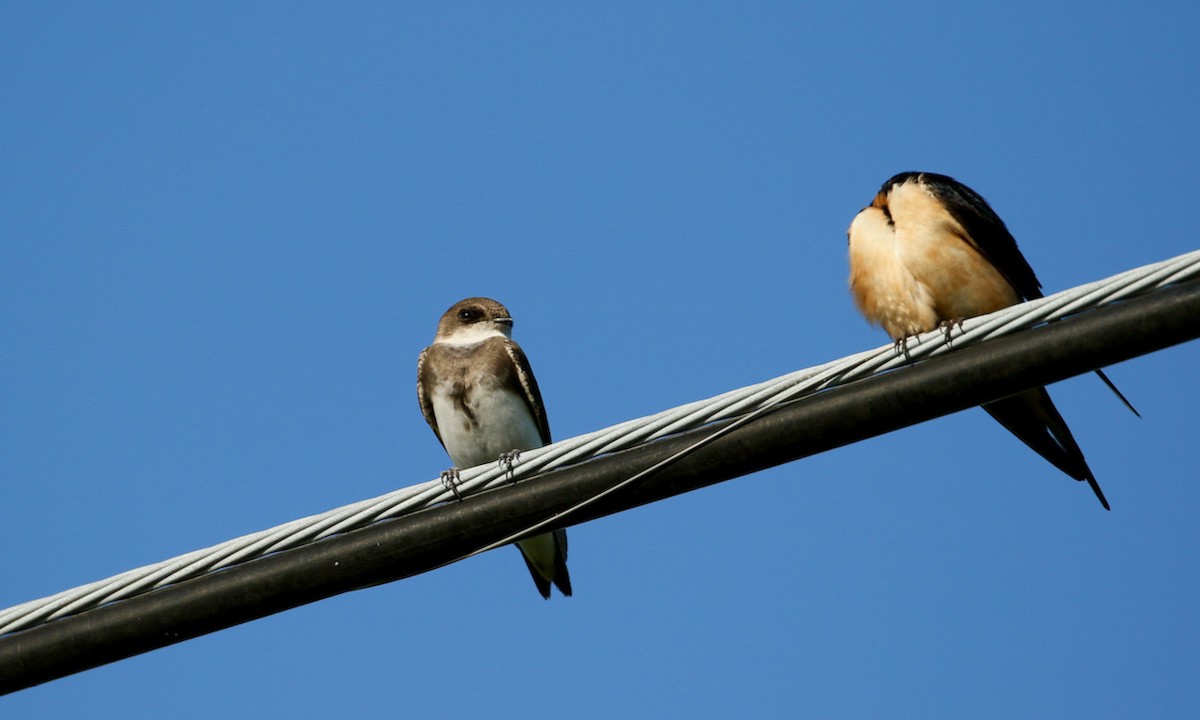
929,252
478,393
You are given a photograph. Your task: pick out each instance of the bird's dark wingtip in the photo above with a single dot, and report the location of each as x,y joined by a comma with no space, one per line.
562,578
566,591
1099,493
543,585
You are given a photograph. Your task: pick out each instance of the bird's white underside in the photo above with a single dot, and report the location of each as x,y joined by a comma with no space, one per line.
503,420
504,423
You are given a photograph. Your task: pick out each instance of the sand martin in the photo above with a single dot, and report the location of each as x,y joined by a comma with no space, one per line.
478,393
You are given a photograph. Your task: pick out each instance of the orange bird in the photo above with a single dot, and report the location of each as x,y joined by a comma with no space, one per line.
929,252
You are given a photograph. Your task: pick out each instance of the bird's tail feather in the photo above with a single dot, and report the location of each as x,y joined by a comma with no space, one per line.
1032,417
1120,395
547,568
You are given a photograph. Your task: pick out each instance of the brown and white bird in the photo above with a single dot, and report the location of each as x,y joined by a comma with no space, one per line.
478,393
930,252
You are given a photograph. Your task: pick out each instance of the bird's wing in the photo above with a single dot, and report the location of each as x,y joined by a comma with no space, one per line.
533,396
426,402
986,232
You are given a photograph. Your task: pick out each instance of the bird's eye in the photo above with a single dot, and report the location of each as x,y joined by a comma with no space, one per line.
468,314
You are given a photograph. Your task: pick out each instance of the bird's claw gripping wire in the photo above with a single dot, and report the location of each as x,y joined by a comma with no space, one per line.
450,481
947,327
507,461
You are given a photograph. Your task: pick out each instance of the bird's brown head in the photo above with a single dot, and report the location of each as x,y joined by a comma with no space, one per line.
473,320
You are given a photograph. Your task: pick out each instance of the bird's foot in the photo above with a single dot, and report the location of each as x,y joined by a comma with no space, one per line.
947,327
451,480
507,461
901,346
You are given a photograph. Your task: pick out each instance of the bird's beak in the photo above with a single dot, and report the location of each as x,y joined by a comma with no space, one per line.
503,321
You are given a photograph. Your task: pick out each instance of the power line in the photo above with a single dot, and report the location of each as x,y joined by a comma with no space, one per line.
622,436
422,540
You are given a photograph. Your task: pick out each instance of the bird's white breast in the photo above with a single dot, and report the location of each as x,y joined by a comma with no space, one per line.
498,421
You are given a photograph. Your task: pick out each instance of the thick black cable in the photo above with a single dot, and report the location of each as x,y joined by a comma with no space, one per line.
395,549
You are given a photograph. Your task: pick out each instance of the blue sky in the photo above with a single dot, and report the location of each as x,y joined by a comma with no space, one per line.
230,228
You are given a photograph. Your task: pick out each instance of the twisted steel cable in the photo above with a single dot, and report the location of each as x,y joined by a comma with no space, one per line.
733,404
